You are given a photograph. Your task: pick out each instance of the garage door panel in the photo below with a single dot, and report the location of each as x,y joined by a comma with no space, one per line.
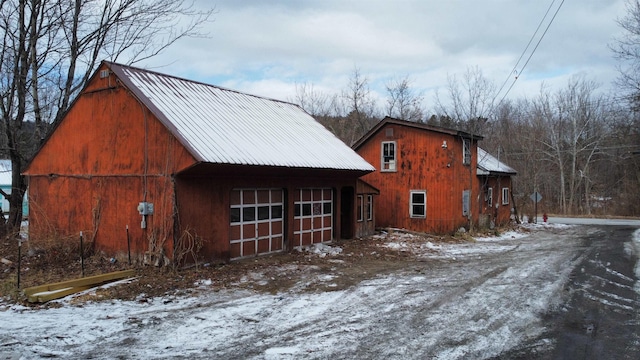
234,250
235,233
276,243
248,248
264,245
313,216
256,222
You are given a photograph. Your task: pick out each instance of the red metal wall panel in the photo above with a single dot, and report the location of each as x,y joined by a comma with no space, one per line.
107,155
423,163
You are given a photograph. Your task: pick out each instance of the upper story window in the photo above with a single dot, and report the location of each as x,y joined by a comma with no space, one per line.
466,151
505,196
388,158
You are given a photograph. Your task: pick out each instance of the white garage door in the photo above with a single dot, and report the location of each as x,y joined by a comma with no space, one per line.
256,222
313,217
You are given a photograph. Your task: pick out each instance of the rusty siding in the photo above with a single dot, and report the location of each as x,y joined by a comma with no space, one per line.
422,164
108,154
498,212
203,203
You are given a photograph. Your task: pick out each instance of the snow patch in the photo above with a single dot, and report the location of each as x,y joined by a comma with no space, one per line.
636,245
320,249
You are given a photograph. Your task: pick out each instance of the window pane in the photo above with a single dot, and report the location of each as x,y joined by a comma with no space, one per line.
235,215
418,210
297,210
276,212
326,208
418,198
306,209
249,214
263,212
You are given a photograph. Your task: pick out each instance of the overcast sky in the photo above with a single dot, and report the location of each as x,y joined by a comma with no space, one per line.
266,47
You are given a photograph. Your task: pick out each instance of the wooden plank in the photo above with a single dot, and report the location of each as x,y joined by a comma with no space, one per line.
86,281
57,294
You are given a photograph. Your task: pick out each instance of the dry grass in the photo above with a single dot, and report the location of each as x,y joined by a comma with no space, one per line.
359,260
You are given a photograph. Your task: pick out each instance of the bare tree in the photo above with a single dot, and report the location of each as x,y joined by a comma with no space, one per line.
469,101
626,49
403,102
50,48
358,106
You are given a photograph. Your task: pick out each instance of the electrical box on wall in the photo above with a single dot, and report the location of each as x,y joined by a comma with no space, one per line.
145,208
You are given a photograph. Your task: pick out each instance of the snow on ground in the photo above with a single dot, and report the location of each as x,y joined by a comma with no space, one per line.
466,300
635,245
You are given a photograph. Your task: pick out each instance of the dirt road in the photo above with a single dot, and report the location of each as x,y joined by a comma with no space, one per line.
551,294
600,317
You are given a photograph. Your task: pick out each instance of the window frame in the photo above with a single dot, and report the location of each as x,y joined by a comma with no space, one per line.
490,197
412,204
466,151
369,207
360,208
505,199
385,166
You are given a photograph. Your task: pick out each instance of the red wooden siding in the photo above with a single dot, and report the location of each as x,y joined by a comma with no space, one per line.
108,154
422,164
204,205
498,212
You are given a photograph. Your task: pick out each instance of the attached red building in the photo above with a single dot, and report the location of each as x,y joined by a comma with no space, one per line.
190,168
426,176
496,189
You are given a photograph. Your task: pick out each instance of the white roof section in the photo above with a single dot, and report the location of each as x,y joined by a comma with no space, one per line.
223,126
488,164
5,173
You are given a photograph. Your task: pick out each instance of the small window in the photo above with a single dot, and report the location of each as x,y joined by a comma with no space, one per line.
490,197
369,207
418,204
388,156
505,196
466,202
306,209
466,152
360,207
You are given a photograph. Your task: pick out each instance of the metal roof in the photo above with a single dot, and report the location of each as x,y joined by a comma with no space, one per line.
389,120
219,125
488,164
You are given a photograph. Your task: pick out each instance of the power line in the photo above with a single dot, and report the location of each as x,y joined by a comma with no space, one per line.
530,55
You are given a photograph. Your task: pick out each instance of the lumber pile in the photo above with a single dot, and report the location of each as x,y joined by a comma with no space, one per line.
44,293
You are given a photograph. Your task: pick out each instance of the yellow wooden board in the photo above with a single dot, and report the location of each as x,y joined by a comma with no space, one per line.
64,288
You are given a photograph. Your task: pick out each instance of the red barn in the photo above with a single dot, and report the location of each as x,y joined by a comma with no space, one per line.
190,169
496,187
426,175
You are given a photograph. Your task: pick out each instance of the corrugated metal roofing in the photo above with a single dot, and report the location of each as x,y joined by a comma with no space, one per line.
488,164
224,126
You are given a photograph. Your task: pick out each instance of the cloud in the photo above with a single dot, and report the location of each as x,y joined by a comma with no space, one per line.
268,47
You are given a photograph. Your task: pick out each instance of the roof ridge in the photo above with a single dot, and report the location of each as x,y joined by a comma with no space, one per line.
135,68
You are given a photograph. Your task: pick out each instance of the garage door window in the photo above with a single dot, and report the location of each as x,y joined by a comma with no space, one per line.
313,216
256,222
